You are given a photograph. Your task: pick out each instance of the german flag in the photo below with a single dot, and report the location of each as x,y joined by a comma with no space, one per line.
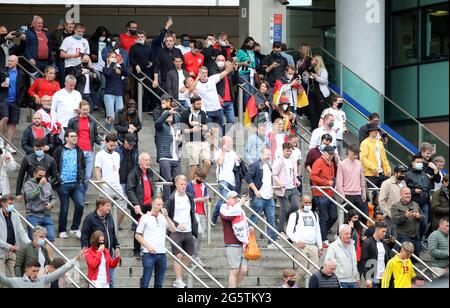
251,111
277,91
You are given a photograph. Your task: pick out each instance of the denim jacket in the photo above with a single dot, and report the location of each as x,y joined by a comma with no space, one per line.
252,151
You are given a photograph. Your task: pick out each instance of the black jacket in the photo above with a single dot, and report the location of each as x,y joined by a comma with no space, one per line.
29,163
276,73
135,186
232,80
369,252
173,82
121,125
81,162
141,55
92,223
211,54
418,179
95,138
255,176
170,206
93,48
94,83
321,281
29,137
163,136
164,62
20,85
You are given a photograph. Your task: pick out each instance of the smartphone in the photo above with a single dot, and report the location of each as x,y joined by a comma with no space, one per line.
62,21
7,80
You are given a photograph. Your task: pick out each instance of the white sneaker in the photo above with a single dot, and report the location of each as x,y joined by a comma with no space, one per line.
272,246
63,235
199,261
179,284
76,233
10,149
283,235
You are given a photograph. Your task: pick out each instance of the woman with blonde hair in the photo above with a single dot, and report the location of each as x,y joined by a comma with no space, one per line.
277,137
316,79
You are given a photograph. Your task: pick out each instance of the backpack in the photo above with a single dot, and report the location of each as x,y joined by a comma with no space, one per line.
297,217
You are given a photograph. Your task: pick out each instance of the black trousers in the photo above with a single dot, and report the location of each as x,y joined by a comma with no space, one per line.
316,107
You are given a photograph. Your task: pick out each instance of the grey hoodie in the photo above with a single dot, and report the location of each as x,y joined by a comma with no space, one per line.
37,196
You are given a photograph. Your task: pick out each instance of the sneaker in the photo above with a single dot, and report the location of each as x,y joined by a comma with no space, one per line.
272,246
63,235
10,149
213,224
179,284
76,233
424,244
325,245
86,203
136,255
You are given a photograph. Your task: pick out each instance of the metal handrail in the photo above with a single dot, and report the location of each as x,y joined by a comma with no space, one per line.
58,251
32,65
30,74
95,184
12,145
271,228
273,241
385,97
320,188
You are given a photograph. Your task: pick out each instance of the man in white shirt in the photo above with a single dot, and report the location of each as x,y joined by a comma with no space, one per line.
340,120
73,47
151,234
65,104
206,88
303,230
226,159
107,166
259,179
327,128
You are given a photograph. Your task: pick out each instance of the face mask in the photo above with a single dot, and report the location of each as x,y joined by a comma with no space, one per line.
276,54
40,242
113,60
322,147
133,32
77,37
285,107
140,42
401,178
102,38
38,179
131,112
291,283
340,105
10,208
307,208
419,166
186,43
85,64
199,182
289,77
39,153
114,43
220,65
209,44
331,125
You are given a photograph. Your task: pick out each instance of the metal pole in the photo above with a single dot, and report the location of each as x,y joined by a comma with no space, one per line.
208,222
241,105
140,99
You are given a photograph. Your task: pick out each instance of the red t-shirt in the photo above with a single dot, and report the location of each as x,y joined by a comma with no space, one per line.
227,96
147,190
39,132
127,41
42,45
193,63
84,135
198,193
43,87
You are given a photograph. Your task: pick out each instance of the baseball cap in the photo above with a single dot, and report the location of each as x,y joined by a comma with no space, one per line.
400,168
329,149
232,194
166,97
131,139
372,127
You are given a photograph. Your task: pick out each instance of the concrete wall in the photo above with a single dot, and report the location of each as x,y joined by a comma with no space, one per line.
300,29
195,21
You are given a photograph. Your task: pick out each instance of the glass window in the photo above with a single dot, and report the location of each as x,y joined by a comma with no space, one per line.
435,33
404,38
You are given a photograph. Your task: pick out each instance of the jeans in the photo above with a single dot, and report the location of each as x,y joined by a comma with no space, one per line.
349,285
112,276
424,223
414,240
45,222
185,104
228,110
289,204
216,117
112,105
223,192
89,157
150,262
169,169
327,215
98,97
88,98
75,192
268,206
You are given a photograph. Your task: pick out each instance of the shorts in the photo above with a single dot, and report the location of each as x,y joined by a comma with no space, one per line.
116,197
10,111
185,241
198,152
235,257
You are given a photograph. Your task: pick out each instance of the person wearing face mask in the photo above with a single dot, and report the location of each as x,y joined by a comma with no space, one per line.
247,65
390,192
87,79
31,161
327,128
72,48
194,59
116,47
34,250
284,112
439,204
97,42
39,201
58,36
289,279
13,236
37,131
419,183
303,230
185,40
274,65
128,39
127,121
340,120
289,86
210,50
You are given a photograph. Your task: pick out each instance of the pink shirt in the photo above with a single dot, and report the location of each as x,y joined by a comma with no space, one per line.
350,178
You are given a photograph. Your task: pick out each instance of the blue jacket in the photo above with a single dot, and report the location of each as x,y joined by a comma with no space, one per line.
114,85
190,189
252,150
255,176
31,46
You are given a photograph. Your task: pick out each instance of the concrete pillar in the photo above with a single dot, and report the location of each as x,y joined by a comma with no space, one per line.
360,39
255,21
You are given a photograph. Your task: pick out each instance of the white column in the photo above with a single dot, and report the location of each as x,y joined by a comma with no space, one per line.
360,39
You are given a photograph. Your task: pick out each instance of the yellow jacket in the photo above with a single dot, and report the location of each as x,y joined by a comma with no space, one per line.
398,274
368,157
